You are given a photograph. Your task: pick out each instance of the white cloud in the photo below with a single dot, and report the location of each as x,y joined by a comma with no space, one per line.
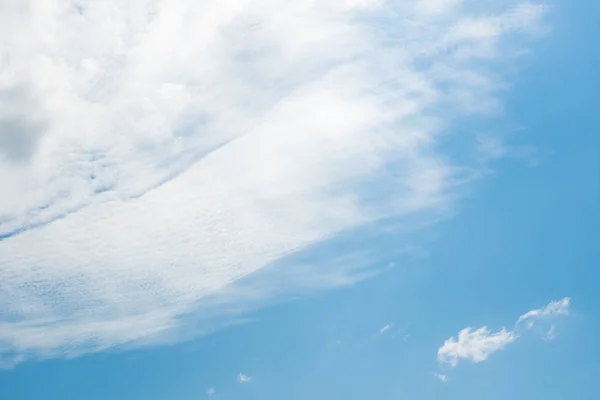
443,378
552,310
243,378
211,392
475,345
478,345
386,328
150,162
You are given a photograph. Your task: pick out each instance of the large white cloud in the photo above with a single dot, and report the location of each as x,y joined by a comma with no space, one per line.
154,151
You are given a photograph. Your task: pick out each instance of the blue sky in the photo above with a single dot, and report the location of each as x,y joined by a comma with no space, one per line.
276,212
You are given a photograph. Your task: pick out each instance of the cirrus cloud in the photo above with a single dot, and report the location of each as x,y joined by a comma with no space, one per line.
174,147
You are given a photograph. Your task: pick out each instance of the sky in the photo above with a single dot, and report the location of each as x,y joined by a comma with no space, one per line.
260,200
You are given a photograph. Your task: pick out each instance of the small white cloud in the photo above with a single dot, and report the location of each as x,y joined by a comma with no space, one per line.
243,378
475,345
443,378
553,309
386,328
478,345
210,391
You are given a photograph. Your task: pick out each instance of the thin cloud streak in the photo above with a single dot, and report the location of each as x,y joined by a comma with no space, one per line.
441,377
552,310
386,328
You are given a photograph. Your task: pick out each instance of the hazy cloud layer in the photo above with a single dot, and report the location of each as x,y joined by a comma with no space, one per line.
21,125
161,150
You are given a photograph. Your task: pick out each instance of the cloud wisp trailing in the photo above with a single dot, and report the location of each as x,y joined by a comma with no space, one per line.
243,378
161,150
386,328
441,377
552,310
479,344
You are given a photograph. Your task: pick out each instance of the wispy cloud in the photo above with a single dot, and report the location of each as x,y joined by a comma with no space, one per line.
153,162
386,328
243,378
551,334
211,392
552,310
477,345
443,378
